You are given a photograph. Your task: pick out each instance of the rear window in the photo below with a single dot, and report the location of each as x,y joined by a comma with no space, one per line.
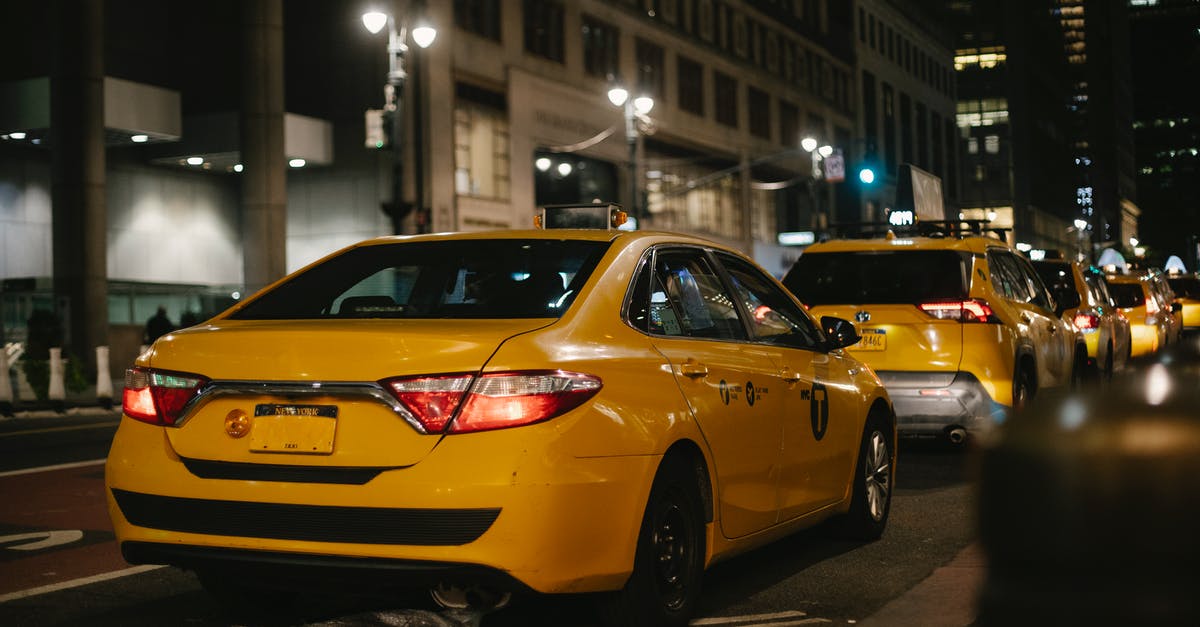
502,278
884,277
1186,287
1127,295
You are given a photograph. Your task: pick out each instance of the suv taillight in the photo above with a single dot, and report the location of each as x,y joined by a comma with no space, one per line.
1087,321
972,310
464,403
158,397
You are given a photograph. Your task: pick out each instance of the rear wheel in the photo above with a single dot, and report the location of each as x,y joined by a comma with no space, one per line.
1022,389
871,500
669,563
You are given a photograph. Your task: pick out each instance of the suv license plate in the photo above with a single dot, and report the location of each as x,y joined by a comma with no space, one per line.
872,340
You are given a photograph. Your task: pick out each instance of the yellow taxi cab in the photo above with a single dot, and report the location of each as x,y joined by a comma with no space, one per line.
1187,290
960,328
1148,314
555,410
1083,293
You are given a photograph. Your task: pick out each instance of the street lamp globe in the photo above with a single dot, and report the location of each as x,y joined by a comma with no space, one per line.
808,144
618,96
424,34
374,21
825,150
643,104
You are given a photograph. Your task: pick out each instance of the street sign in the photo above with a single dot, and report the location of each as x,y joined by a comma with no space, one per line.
835,167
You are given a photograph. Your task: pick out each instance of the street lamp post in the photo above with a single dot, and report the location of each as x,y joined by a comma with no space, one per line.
393,92
636,110
817,153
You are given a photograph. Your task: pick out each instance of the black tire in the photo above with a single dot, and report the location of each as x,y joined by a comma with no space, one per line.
669,564
1109,366
874,481
1022,389
1081,374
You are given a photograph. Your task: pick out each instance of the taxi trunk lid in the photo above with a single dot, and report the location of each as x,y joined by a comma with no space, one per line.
306,392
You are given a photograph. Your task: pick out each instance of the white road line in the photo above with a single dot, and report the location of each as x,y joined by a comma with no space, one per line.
75,583
748,619
28,471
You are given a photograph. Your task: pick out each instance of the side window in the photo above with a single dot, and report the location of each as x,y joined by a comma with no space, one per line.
1040,295
774,317
681,295
1006,277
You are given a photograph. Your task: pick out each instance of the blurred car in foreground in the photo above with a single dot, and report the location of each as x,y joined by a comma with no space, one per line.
1145,309
960,328
560,411
1083,294
1187,290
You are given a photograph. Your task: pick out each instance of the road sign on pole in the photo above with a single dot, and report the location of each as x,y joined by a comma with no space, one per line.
835,167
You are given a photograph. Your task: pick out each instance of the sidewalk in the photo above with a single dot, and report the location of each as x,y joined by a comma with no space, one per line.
946,598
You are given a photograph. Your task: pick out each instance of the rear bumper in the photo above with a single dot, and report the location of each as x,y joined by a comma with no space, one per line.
933,403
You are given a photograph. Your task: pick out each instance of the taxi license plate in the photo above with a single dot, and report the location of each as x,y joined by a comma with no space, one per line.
872,340
307,429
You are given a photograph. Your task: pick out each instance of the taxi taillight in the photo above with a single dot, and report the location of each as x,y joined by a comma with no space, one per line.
1087,321
971,310
465,403
157,396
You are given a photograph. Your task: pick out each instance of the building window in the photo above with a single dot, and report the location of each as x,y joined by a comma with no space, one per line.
650,76
600,48
862,25
935,131
704,20
870,110
972,145
760,112
725,88
906,129
481,17
889,128
691,85
544,29
871,30
922,144
982,112
789,124
481,164
991,144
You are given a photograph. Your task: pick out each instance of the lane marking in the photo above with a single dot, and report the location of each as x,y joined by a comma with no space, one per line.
93,425
751,617
75,583
29,471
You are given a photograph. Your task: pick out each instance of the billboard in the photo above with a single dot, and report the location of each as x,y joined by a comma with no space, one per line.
920,192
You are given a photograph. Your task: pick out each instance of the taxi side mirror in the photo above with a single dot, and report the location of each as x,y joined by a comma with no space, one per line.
1176,307
841,332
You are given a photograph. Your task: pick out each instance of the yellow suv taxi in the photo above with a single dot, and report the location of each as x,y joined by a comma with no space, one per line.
960,329
1187,289
1083,291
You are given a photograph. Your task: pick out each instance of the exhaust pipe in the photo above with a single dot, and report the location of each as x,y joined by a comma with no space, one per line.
957,435
469,597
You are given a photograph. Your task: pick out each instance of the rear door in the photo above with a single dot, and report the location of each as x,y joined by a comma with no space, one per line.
1043,332
882,291
731,384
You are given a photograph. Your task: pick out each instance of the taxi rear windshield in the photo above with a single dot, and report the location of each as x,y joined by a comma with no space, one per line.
1186,287
501,278
1127,295
883,277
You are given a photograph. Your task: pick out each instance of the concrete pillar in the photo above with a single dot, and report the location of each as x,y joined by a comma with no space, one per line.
264,177
79,214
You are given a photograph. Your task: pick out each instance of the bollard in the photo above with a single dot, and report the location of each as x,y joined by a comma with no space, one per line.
6,392
104,386
58,392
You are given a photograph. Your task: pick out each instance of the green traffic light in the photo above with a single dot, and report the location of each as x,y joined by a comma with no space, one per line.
866,175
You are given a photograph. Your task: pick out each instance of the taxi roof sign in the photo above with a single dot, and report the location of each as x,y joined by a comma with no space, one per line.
582,216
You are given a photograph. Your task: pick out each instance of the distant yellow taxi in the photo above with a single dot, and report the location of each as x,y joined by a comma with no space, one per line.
960,327
551,410
1148,314
1187,290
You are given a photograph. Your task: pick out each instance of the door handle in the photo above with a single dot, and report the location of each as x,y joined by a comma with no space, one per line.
1025,318
789,376
693,369
1053,329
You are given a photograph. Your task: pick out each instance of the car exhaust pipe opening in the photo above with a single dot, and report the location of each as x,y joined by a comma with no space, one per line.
453,596
957,435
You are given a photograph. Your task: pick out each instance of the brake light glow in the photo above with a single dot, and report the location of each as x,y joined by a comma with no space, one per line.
1087,322
973,310
158,397
464,403
1151,306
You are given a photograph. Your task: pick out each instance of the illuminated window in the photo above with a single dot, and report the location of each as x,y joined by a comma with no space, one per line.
481,149
972,145
979,58
991,144
985,112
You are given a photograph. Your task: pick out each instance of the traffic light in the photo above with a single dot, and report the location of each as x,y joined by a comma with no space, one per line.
866,175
